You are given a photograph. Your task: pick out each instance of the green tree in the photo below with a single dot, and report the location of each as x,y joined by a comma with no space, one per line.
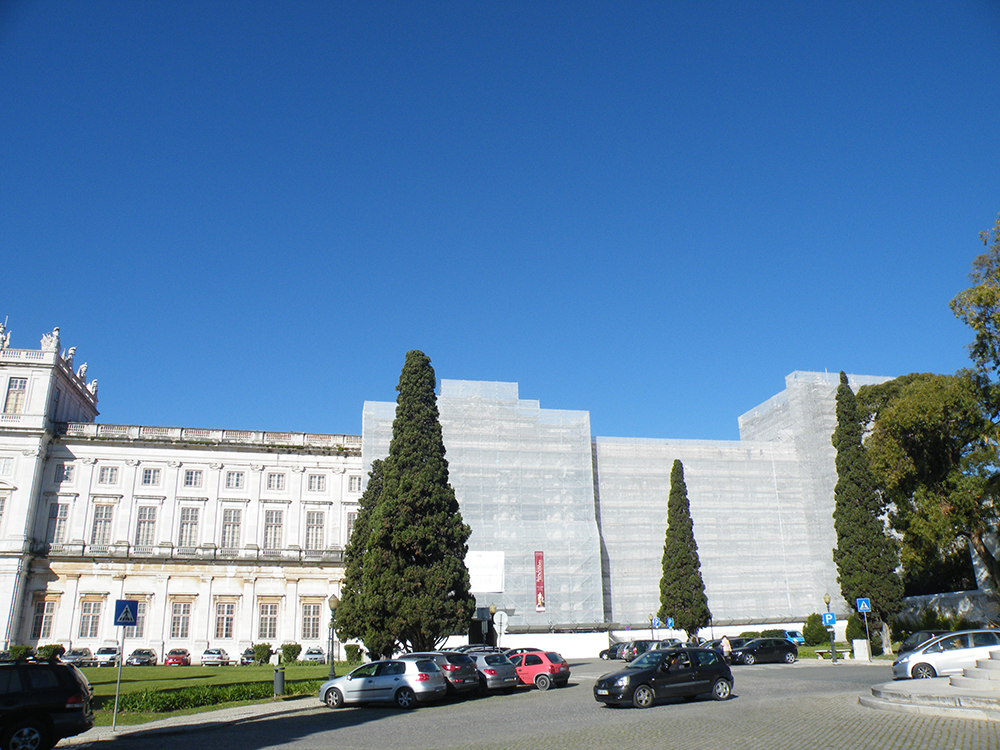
979,308
866,556
413,576
930,450
361,613
682,590
814,632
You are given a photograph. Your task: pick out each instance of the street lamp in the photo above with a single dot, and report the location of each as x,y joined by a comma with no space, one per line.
833,648
334,602
492,611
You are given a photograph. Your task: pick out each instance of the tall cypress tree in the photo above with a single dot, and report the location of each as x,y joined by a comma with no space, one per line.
414,572
867,557
682,590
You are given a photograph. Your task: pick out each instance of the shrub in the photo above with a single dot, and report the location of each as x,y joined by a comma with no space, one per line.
772,634
290,652
160,701
262,653
51,650
928,619
813,631
354,652
750,634
20,652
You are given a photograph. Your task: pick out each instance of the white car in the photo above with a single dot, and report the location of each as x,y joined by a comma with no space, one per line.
947,654
106,656
215,657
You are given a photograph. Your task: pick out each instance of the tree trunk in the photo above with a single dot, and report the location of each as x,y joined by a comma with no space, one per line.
992,566
886,639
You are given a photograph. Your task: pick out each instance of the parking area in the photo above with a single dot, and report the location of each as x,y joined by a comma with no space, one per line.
805,705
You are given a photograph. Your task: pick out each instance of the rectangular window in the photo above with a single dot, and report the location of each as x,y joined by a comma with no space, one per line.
101,532
4,494
108,475
351,518
90,619
314,529
310,622
145,526
139,629
276,481
64,473
234,480
41,627
188,536
180,619
6,467
354,484
317,483
16,388
272,529
231,518
150,477
56,533
268,628
225,615
192,478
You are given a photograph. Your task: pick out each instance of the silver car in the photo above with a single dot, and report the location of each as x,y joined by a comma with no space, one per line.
946,654
388,681
314,654
496,671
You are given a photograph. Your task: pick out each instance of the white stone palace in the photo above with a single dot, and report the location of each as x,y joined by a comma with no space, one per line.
232,537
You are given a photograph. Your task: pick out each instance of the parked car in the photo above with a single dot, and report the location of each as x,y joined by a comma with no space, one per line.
142,657
215,657
247,657
512,652
400,681
177,657
41,703
664,674
106,656
614,651
543,669
796,637
765,649
459,669
496,671
946,654
314,654
78,657
918,637
637,648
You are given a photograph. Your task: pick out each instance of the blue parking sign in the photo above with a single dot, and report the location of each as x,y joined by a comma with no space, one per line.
829,619
864,605
670,622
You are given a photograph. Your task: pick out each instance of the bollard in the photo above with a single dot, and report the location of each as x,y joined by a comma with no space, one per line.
279,680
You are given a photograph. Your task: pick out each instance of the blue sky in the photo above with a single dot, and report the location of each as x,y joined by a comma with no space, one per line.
244,214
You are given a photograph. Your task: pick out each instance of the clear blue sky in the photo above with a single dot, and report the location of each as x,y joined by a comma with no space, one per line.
244,214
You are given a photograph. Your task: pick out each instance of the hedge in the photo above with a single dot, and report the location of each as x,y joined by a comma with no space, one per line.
160,701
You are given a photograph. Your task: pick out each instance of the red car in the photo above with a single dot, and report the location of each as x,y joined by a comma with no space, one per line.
178,657
541,669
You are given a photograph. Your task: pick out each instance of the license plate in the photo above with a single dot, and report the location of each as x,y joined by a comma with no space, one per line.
602,692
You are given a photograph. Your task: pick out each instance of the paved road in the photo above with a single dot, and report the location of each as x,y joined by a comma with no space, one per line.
809,705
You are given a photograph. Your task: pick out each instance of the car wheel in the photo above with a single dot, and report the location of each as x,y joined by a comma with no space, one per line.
721,690
642,697
333,698
28,735
605,657
405,698
789,657
543,682
748,659
923,672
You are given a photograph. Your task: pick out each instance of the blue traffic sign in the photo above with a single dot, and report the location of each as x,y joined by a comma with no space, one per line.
126,613
829,619
656,622
864,605
670,622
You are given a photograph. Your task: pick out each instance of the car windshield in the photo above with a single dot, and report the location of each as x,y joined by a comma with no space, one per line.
647,661
177,652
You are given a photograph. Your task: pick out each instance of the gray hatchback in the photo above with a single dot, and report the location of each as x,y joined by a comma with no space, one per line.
459,669
496,671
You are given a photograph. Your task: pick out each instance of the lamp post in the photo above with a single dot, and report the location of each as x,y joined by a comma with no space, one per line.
492,611
334,602
833,648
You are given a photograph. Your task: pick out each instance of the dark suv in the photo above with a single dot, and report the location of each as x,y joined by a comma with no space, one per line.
459,669
42,702
670,673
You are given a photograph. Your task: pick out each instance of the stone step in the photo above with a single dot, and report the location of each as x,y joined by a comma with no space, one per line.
945,697
992,664
980,673
972,682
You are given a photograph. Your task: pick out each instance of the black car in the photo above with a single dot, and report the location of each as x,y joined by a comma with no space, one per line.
142,657
41,702
765,649
666,674
614,652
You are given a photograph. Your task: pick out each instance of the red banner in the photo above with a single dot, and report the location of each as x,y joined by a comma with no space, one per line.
539,582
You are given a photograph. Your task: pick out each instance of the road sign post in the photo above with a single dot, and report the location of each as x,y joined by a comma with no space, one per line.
864,607
126,614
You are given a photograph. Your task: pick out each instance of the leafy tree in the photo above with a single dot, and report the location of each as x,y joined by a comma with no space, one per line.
856,631
290,653
682,590
979,308
813,631
414,584
866,556
360,614
930,450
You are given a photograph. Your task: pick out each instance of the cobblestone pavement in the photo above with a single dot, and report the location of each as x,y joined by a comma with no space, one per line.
806,705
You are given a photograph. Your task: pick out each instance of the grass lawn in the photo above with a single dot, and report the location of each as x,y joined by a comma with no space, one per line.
103,679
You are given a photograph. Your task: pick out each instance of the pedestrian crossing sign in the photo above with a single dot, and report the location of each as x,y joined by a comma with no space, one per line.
126,613
864,605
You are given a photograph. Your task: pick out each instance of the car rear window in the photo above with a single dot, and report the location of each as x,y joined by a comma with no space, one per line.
42,678
459,658
494,659
426,665
10,680
553,657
